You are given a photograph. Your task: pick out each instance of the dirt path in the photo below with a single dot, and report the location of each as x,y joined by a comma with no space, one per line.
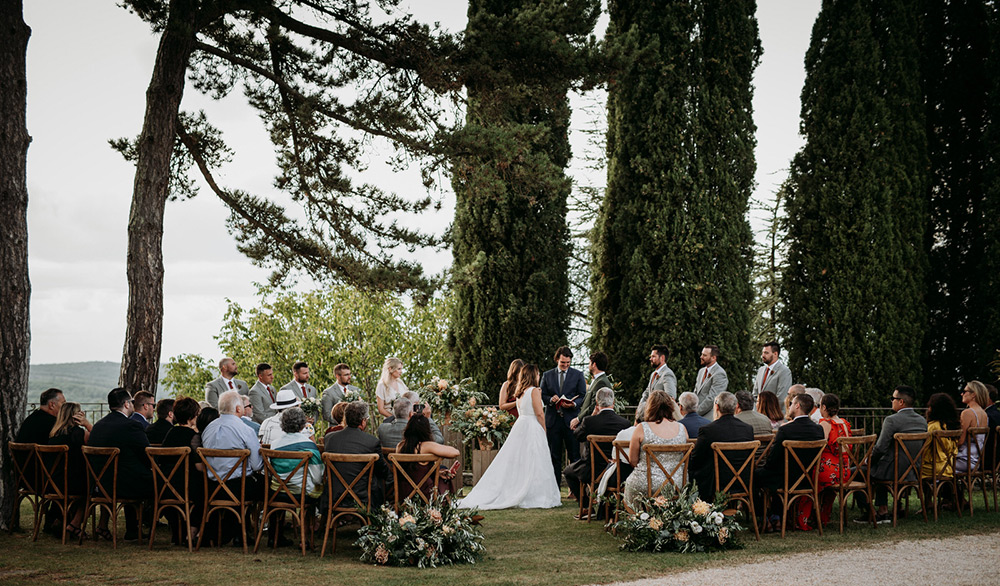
969,559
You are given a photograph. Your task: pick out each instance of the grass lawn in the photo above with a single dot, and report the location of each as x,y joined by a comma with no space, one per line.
523,547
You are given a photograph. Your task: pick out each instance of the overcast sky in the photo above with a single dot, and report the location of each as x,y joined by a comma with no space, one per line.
88,67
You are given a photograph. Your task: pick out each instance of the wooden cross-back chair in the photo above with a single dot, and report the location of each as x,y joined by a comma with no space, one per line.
280,498
765,446
26,479
977,472
600,447
101,464
909,447
53,463
995,465
805,484
222,498
941,447
399,464
171,490
349,503
651,452
856,477
739,488
619,450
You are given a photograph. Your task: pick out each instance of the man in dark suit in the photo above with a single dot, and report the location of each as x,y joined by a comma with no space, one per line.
354,440
563,390
36,427
725,428
603,421
164,421
771,475
993,419
135,480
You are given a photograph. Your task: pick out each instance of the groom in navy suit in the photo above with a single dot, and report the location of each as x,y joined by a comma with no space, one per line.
562,381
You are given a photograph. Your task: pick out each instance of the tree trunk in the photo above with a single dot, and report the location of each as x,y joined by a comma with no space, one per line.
15,288
144,330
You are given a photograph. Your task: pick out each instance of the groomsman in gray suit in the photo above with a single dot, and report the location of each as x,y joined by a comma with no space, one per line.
300,382
227,381
773,376
661,379
335,393
599,380
711,381
263,393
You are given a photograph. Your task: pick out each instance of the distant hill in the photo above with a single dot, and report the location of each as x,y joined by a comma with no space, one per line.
83,382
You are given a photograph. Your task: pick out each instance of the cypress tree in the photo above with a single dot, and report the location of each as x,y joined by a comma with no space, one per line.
855,220
510,237
672,245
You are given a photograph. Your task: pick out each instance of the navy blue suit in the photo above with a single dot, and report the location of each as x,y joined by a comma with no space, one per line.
557,419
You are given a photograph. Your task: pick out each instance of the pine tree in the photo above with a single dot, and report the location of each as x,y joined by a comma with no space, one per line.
510,237
672,251
855,220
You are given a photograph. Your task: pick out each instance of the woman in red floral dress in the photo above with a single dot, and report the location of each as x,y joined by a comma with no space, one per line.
829,462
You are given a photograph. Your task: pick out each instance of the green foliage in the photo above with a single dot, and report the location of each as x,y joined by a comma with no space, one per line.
673,245
679,521
769,266
445,396
856,219
487,423
510,238
186,375
338,324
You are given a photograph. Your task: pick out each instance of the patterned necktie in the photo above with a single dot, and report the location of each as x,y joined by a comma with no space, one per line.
705,376
304,394
230,384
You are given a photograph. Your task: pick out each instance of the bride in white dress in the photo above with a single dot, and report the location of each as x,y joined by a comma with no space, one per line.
521,474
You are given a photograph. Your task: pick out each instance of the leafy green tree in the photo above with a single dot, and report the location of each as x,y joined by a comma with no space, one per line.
852,294
769,266
510,237
186,375
673,244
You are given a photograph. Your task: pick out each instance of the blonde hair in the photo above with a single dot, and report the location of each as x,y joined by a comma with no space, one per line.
64,419
979,393
527,378
390,364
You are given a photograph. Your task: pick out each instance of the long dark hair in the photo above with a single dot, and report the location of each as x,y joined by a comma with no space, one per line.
527,378
417,430
941,407
207,415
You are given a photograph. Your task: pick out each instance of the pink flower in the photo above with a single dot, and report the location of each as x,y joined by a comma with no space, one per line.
442,384
700,507
381,554
681,535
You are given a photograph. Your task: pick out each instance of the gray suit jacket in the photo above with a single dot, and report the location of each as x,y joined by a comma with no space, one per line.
710,388
219,386
666,382
390,434
884,453
760,423
333,395
590,399
777,382
297,389
261,401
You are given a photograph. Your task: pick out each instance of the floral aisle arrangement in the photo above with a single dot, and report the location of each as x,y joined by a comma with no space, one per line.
681,522
488,425
445,397
425,535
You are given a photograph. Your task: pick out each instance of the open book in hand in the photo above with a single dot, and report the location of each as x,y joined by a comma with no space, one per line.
567,403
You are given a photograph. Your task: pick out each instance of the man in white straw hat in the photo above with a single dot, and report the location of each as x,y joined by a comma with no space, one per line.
270,428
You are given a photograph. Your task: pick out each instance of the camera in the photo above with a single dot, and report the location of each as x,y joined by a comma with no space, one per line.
418,408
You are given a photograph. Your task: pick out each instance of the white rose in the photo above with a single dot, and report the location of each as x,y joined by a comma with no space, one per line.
718,519
483,429
695,527
644,516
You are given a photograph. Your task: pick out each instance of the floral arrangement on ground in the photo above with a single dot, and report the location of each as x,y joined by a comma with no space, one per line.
445,396
489,425
681,522
425,535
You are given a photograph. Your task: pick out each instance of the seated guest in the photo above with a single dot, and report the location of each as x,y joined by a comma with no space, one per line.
658,428
354,440
293,422
135,480
228,432
417,439
691,421
883,458
164,421
771,475
336,417
72,429
271,427
760,423
793,390
390,433
725,428
207,415
603,421
36,427
941,415
975,396
833,469
768,406
993,416
817,396
143,404
184,434
248,415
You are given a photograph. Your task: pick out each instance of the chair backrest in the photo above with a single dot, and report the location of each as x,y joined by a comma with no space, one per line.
996,454
221,493
858,431
731,454
387,451
171,479
802,465
400,463
281,483
26,473
944,450
652,452
363,477
102,473
856,451
600,447
54,468
909,451
976,438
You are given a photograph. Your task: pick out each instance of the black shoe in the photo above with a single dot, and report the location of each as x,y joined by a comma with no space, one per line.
133,536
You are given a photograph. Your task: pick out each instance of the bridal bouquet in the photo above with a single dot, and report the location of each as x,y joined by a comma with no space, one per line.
445,396
312,407
681,522
425,535
490,425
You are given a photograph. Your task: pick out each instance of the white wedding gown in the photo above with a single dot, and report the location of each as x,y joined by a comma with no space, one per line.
521,474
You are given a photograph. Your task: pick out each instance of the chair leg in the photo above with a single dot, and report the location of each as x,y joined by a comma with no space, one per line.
816,509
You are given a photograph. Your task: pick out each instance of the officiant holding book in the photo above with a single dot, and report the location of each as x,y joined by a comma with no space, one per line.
563,390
